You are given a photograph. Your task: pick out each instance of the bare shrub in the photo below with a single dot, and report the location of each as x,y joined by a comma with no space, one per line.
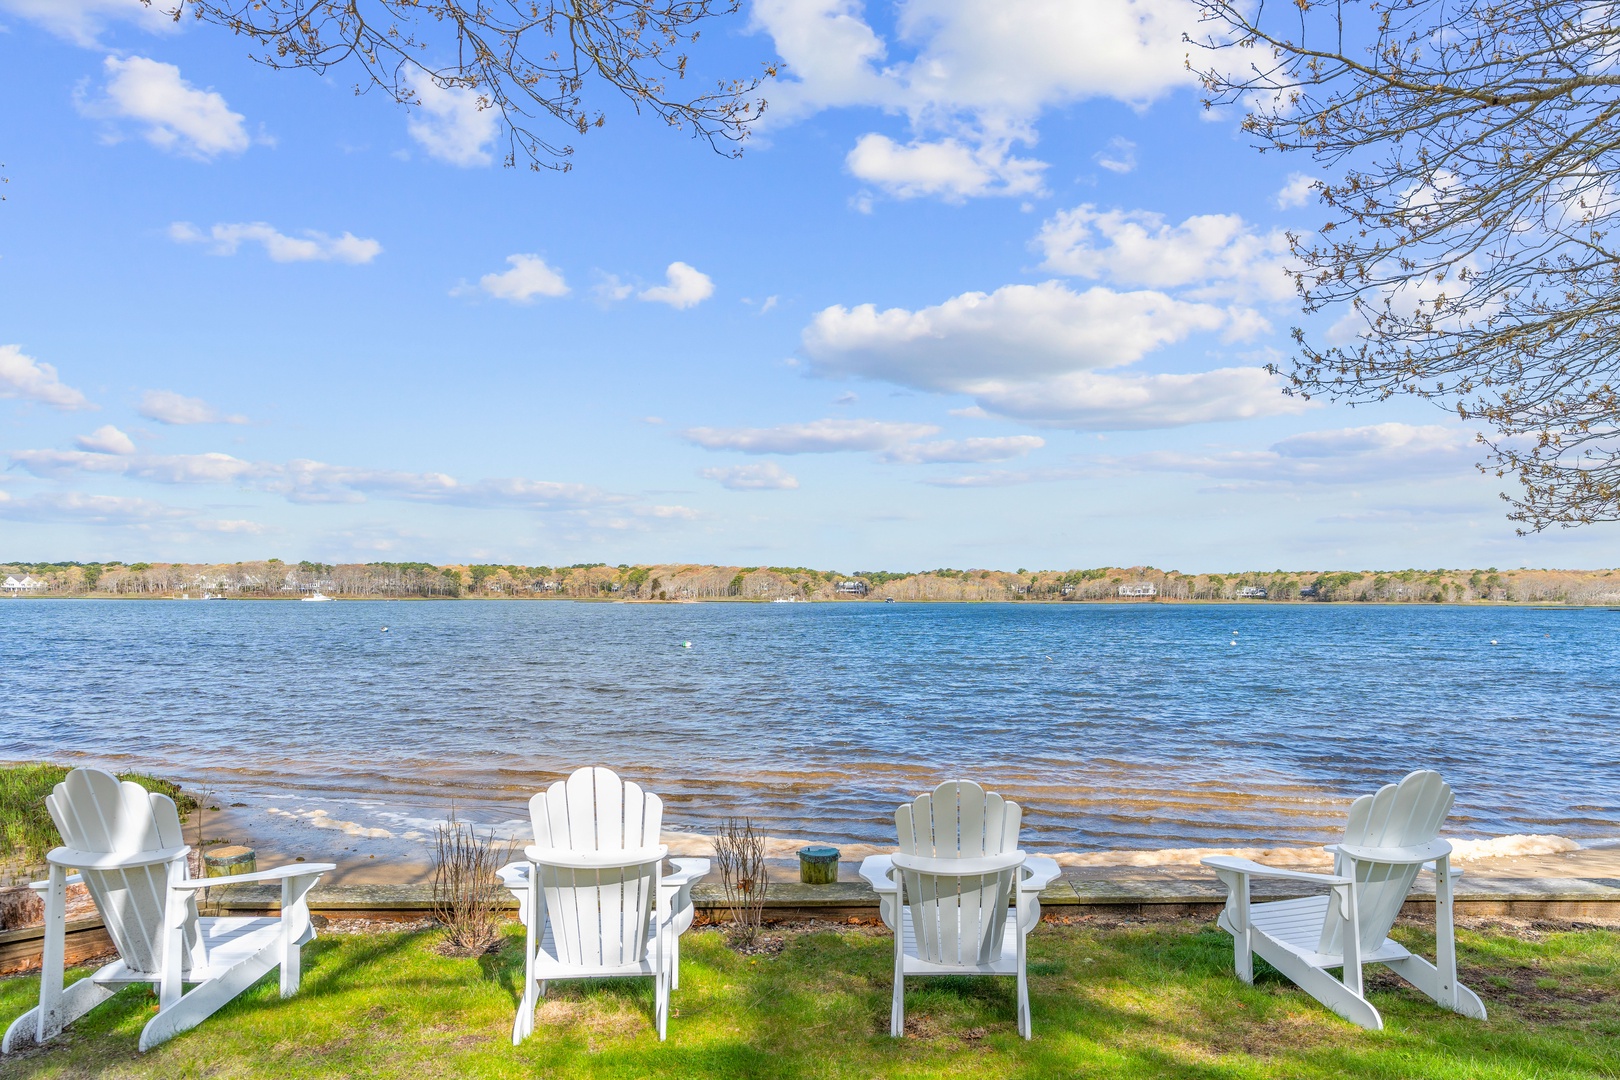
466,893
739,853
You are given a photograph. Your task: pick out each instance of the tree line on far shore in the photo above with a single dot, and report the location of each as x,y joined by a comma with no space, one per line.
273,578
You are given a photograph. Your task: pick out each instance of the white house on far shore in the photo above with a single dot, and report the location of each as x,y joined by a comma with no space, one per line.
26,583
1140,588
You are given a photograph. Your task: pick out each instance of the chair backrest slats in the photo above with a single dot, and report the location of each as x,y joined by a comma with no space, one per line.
958,919
94,812
1407,814
598,916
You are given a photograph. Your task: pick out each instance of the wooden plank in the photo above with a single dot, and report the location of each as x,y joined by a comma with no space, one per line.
86,940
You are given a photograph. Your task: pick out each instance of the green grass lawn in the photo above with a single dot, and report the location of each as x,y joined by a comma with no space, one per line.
1146,1000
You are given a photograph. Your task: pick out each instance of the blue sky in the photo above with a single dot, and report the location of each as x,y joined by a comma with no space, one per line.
988,288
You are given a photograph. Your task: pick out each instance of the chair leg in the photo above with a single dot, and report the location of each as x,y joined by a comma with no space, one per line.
1025,1027
67,1006
523,1024
897,1008
1423,975
661,1003
1243,955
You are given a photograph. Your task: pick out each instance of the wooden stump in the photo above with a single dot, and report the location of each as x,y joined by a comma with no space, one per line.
233,859
818,865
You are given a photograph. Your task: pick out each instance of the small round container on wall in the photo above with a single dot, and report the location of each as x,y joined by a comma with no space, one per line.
229,860
818,865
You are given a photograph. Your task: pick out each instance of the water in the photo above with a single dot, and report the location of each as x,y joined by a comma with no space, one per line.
1137,726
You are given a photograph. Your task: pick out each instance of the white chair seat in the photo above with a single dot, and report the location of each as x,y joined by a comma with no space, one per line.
1005,964
1296,925
547,966
225,942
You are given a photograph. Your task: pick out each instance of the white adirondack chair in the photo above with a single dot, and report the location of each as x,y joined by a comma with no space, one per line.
587,888
1389,837
946,892
126,847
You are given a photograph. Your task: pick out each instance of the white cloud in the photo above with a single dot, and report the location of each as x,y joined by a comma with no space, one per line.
891,441
1031,352
311,246
106,440
1090,401
233,527
82,21
306,481
766,476
168,407
1006,478
1370,454
815,437
1119,156
21,376
947,168
1295,192
1000,448
454,124
1017,332
609,289
1209,256
54,464
685,287
528,278
81,508
977,71
997,60
176,115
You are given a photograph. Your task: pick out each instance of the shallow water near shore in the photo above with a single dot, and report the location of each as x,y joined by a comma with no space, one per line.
1132,726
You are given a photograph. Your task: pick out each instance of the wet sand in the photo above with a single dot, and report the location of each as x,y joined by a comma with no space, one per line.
388,860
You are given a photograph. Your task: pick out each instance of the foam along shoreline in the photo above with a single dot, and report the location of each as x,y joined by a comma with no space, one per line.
403,855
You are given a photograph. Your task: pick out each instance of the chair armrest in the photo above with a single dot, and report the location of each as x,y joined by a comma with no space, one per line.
69,859
1251,868
686,872
42,886
514,875
279,873
1395,856
984,864
595,860
1039,872
876,869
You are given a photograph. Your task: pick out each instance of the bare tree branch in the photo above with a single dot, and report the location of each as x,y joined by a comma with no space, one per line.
533,60
1469,154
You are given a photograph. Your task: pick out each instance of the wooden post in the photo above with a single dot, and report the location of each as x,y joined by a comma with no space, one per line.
818,865
234,859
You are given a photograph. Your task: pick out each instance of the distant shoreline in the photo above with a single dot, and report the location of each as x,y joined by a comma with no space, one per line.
272,579
1043,602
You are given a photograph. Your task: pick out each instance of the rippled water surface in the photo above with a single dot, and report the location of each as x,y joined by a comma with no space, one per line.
1129,726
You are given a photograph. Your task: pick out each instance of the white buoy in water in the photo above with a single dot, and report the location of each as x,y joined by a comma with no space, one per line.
1493,641
686,644
385,629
